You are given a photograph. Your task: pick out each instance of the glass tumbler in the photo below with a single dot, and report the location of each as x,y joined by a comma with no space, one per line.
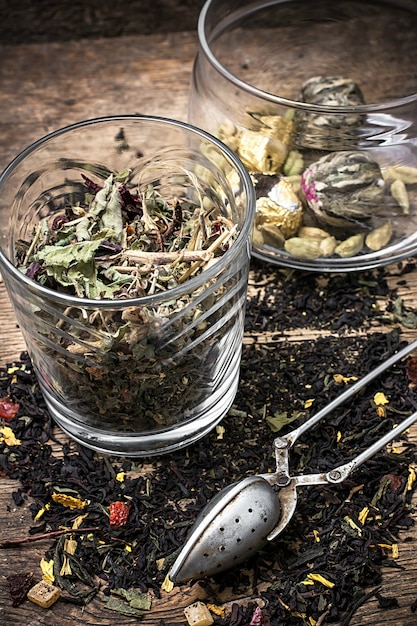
146,374
319,100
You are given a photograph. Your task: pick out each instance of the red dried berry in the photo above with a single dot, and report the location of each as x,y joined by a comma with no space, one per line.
411,370
119,512
8,409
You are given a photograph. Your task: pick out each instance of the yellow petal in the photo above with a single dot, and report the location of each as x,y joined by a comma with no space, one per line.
339,378
42,511
69,501
411,478
120,476
47,568
380,398
363,515
167,585
7,435
220,430
320,579
216,610
308,403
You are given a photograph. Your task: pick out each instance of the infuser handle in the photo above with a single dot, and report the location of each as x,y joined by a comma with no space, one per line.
339,474
292,436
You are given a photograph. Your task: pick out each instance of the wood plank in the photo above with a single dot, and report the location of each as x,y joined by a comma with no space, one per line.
46,86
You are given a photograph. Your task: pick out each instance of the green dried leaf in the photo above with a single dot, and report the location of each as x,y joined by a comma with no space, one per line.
279,420
136,600
121,607
64,256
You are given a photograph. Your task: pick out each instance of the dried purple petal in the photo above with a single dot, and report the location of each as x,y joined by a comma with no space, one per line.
91,184
107,248
59,221
257,618
33,269
128,200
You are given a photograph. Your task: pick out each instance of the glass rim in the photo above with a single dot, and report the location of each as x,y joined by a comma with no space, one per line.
243,238
279,100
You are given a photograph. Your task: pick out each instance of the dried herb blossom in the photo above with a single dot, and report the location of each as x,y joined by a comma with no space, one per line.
166,497
118,244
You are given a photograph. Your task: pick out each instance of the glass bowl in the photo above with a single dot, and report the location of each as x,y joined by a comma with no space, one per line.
319,100
135,344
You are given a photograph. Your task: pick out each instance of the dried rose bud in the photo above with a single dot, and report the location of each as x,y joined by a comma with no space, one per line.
343,189
119,512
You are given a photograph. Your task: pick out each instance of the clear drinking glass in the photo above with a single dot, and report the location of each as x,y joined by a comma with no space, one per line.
143,375
324,95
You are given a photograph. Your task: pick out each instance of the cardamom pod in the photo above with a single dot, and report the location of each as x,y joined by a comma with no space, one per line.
294,165
400,194
405,173
350,246
312,232
379,237
303,249
327,246
268,234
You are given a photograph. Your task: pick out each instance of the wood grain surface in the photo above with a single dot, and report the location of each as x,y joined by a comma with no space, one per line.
44,86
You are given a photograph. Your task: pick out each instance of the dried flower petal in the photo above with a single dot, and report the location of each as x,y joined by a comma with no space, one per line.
7,436
380,399
69,501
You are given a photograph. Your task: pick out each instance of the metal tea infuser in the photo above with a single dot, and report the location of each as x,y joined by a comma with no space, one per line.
241,518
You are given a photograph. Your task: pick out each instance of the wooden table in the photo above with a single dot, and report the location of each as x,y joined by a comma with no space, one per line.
44,87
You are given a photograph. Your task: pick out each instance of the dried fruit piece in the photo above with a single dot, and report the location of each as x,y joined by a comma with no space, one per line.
19,585
44,594
8,409
411,370
197,614
119,512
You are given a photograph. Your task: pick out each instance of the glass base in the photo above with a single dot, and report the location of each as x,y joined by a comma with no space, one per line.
142,445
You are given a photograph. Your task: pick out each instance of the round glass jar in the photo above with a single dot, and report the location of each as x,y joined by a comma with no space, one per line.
319,100
140,374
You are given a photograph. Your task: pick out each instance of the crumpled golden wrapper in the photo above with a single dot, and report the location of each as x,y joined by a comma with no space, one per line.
281,208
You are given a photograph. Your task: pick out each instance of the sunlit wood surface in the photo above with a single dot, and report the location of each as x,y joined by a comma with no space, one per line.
46,86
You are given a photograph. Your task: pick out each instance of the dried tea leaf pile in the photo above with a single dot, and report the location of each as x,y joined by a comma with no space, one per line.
137,515
120,244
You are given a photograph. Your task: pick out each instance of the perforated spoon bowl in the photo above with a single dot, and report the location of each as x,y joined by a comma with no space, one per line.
241,518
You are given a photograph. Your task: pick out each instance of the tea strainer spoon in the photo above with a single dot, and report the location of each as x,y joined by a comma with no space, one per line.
242,517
